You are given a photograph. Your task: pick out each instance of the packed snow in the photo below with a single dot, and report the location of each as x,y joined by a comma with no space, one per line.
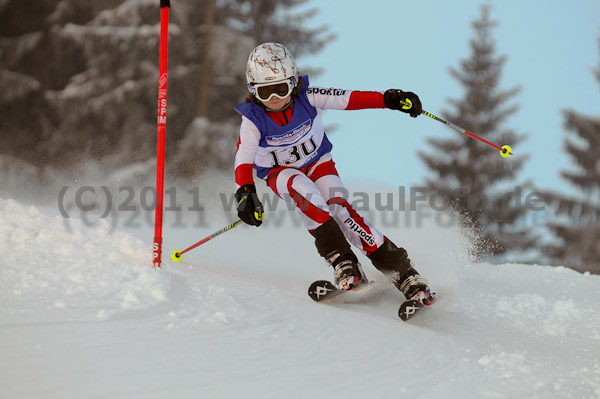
85,316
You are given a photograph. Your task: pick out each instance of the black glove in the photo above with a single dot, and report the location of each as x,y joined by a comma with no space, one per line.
404,101
250,210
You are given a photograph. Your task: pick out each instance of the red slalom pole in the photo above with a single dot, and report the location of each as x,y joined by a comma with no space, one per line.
161,131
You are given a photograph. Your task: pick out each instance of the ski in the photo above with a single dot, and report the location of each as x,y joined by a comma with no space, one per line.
410,308
321,290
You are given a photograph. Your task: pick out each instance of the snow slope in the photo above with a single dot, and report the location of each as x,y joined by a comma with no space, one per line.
84,316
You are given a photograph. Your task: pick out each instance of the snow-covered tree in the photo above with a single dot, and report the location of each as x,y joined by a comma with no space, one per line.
79,77
36,59
578,232
468,174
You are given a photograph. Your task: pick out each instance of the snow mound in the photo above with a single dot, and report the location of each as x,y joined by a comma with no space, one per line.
64,266
84,315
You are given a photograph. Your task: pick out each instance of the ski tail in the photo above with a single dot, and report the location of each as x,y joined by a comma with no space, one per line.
323,289
411,307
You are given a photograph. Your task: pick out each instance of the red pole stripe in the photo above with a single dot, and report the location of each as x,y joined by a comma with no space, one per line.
476,137
161,131
459,129
210,237
202,241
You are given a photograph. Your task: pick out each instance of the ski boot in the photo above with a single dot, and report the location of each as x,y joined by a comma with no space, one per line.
394,262
347,271
335,249
415,287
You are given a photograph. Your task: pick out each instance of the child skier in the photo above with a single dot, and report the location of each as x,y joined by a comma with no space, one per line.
282,137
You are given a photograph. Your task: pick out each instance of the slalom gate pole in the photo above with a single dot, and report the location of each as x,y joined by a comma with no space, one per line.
176,256
161,131
505,150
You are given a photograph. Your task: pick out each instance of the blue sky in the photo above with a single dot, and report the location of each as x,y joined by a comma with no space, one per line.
552,49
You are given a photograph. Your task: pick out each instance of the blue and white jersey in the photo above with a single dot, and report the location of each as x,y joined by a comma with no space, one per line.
297,144
264,144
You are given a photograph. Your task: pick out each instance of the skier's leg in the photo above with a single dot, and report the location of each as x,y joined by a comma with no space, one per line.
293,184
383,253
334,248
394,262
359,232
329,239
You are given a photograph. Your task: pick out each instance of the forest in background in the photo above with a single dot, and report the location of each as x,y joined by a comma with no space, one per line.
79,78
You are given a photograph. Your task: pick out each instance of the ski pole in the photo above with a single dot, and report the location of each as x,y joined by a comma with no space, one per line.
177,254
505,150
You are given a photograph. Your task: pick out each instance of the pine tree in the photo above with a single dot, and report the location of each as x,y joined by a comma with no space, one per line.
80,77
35,61
468,174
579,232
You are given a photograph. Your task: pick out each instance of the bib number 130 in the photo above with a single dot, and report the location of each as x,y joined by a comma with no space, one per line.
290,155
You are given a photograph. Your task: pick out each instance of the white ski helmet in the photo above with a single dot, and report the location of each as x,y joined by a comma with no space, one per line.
270,63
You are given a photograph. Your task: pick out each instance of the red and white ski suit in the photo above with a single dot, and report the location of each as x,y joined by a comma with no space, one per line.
284,160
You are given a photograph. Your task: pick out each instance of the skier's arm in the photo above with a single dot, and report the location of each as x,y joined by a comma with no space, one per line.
330,98
247,147
248,204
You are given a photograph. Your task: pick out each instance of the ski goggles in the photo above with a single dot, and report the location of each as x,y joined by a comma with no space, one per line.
266,91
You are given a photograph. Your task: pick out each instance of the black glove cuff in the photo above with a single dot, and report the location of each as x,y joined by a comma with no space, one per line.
405,101
391,98
245,189
248,205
